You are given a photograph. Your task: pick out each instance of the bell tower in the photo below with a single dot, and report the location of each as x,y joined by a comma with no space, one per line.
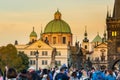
85,43
113,33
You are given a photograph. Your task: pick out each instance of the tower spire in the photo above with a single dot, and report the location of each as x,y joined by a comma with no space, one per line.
85,31
76,38
85,35
104,35
116,11
108,15
41,33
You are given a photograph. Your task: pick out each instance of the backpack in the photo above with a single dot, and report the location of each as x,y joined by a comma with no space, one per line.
61,76
58,76
99,76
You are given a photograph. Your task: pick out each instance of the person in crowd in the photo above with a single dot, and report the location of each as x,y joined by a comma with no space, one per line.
45,75
50,74
33,74
110,76
98,75
5,73
1,74
11,74
61,75
84,75
106,73
74,76
23,75
91,72
55,73
118,76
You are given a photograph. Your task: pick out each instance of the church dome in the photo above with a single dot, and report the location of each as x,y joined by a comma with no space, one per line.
33,33
57,25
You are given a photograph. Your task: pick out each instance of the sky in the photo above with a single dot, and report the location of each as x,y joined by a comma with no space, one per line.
17,17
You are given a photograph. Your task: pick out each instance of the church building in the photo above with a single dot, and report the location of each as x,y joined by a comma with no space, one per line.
57,34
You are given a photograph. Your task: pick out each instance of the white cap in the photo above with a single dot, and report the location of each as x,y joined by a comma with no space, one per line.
31,68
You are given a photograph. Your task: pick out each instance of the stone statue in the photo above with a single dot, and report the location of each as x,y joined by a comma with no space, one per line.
102,57
54,52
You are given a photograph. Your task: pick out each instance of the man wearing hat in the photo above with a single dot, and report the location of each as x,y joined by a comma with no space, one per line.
33,73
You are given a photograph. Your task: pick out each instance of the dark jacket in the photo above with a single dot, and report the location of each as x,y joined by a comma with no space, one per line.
61,76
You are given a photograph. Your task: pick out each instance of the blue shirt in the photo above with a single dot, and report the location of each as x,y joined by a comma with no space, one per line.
110,77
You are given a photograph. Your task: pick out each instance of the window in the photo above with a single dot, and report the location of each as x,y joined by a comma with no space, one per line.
58,63
54,40
85,46
58,53
32,62
114,33
33,40
44,62
64,40
44,53
32,53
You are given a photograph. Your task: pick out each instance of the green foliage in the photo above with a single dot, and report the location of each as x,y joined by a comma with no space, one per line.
25,60
10,58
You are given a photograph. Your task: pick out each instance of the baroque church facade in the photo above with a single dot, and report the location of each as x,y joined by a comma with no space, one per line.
57,34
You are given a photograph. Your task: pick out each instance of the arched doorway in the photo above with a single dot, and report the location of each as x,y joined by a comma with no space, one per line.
116,64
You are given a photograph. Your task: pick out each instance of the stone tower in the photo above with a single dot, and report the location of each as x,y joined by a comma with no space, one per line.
85,43
113,33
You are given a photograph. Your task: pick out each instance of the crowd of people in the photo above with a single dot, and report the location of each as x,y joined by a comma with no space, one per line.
62,73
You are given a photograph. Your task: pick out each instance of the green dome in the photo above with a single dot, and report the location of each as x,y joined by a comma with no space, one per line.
33,33
57,26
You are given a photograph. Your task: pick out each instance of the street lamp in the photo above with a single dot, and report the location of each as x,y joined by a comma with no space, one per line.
37,55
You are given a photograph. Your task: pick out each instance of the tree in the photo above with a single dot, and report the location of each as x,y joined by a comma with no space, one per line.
25,60
10,58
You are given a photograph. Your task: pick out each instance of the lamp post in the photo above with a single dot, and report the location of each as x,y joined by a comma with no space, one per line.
37,55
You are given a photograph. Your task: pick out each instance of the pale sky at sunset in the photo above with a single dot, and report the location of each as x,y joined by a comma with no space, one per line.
17,17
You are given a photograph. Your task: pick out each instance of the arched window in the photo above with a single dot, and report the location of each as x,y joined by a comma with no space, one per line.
54,40
85,46
64,40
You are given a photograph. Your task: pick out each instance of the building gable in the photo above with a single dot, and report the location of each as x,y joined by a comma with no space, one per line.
39,45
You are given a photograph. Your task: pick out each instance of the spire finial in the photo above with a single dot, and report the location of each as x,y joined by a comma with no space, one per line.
57,15
33,28
86,29
57,9
76,38
108,12
97,33
85,34
41,33
41,28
